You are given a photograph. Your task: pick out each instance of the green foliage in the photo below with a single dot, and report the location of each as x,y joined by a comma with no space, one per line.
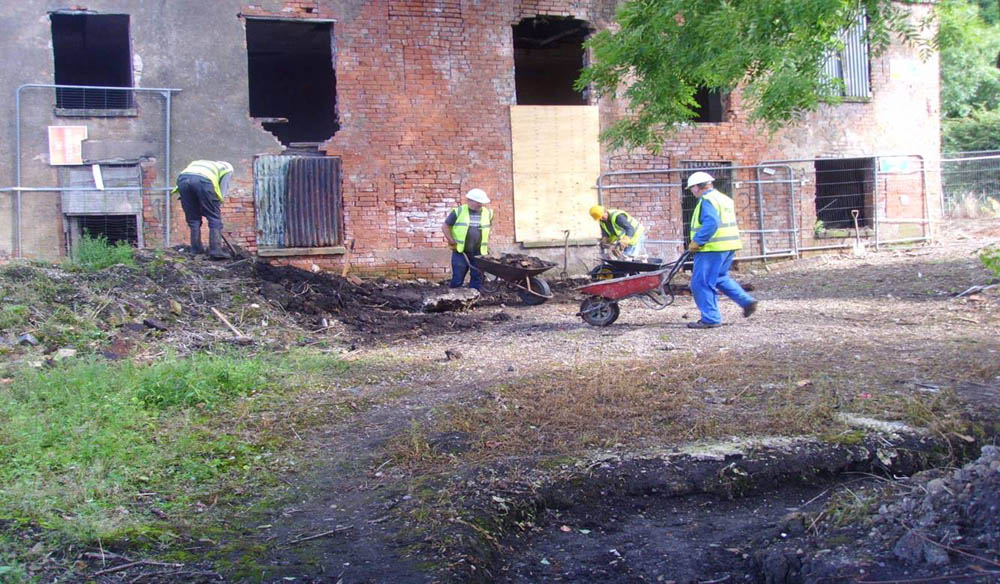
978,131
664,51
970,80
201,380
95,253
990,257
13,316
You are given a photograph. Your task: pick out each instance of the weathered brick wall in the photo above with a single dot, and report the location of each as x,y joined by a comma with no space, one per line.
423,90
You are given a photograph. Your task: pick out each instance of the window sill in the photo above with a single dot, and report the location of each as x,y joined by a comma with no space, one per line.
96,113
842,233
300,251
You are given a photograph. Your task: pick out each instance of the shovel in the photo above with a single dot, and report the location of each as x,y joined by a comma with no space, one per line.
859,248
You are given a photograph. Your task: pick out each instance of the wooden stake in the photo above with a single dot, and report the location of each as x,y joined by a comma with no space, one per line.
226,322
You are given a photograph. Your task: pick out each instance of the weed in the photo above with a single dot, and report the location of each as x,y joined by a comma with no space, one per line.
201,380
13,316
96,253
990,258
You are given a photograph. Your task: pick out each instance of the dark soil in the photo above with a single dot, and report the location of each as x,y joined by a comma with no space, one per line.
517,260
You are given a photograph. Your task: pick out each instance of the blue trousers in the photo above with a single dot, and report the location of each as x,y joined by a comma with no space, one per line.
711,275
459,267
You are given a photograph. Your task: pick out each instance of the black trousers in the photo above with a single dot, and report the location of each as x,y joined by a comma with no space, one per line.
199,200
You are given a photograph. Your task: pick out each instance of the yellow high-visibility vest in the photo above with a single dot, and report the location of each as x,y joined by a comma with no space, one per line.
618,232
727,236
209,169
461,227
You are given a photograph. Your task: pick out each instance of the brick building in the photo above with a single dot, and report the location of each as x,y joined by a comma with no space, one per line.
366,121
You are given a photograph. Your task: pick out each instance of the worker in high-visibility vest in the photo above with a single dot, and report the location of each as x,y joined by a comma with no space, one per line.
621,229
202,186
715,237
467,230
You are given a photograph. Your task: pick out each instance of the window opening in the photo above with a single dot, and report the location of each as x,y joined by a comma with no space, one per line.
844,185
292,81
712,106
92,49
548,58
723,182
113,227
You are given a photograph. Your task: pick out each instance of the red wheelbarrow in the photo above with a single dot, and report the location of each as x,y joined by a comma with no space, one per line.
600,308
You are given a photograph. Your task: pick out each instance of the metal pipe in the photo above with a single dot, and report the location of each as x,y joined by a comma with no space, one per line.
166,164
875,208
760,212
85,189
17,137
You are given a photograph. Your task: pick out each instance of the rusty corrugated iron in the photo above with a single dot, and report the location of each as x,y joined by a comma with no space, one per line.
298,201
312,214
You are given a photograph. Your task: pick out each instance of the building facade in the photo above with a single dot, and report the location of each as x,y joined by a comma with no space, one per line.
361,123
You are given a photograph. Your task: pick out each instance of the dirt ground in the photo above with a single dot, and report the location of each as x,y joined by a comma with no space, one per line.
455,474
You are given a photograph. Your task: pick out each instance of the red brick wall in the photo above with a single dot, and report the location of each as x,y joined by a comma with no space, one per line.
423,90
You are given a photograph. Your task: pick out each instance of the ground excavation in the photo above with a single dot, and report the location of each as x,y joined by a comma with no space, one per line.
844,433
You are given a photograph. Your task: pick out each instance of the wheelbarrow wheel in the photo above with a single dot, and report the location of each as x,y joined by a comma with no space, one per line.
491,284
599,312
538,285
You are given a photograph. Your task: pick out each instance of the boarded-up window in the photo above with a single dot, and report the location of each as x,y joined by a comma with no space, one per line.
298,201
92,50
556,163
850,64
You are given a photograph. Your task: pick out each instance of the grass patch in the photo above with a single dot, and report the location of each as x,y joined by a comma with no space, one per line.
96,253
79,443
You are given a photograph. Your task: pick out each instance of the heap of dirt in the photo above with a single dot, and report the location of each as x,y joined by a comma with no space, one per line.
516,260
933,526
378,309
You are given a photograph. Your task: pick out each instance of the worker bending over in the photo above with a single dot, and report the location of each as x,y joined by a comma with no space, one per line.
715,237
202,186
620,228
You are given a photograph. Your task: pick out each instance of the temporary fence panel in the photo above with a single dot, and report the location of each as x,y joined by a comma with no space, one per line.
970,182
763,197
555,159
902,201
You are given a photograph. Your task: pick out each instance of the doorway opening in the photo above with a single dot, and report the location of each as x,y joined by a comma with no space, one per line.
548,58
844,185
93,50
292,82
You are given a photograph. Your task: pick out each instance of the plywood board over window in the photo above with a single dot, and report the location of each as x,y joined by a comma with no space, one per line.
556,161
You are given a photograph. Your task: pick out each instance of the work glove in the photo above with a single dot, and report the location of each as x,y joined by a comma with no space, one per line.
625,241
694,246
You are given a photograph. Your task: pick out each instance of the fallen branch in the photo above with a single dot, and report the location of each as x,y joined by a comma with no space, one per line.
220,316
976,289
319,535
137,563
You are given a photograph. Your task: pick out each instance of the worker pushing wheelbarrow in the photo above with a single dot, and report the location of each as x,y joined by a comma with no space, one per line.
653,288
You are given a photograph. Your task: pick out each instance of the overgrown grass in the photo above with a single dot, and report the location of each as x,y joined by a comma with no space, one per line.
990,257
80,443
96,253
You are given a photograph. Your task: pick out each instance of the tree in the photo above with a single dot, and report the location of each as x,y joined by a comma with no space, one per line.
970,79
664,51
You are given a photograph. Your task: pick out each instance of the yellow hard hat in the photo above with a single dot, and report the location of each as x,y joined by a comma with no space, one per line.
597,212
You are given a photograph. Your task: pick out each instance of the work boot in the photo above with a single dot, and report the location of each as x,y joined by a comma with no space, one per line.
749,309
215,251
196,247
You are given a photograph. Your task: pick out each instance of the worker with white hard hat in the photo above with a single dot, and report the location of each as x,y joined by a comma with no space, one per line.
618,227
202,186
715,237
467,230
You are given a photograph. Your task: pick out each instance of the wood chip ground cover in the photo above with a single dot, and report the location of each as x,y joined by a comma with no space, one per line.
426,462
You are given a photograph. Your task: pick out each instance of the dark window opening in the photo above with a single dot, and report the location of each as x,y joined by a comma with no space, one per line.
844,185
712,106
548,58
114,228
723,182
92,49
293,88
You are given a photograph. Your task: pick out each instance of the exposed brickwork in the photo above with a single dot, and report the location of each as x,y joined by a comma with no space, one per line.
423,91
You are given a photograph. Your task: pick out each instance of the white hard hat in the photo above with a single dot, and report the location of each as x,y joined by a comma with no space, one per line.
226,167
478,195
699,178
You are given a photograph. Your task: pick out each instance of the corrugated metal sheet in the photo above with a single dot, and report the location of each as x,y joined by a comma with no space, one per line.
270,190
312,217
851,63
298,201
